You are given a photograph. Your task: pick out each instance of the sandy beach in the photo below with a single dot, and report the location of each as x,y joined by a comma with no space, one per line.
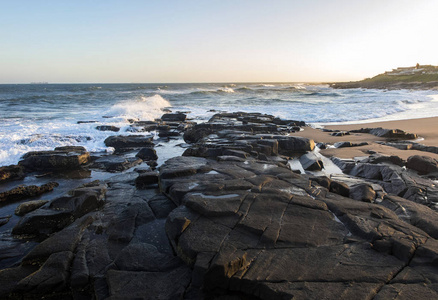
425,128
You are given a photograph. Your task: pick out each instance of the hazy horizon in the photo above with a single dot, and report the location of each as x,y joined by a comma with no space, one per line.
212,42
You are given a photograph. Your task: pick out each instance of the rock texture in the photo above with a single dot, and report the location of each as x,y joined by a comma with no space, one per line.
12,172
230,220
62,158
25,192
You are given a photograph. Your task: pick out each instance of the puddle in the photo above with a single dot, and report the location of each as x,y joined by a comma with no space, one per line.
216,197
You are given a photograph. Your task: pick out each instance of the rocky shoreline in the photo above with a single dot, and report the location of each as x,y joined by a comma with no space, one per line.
386,85
250,210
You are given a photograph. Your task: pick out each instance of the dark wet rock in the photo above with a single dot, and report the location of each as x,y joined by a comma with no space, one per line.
362,192
112,163
24,192
235,227
146,179
261,238
29,206
61,212
12,172
123,226
311,162
4,220
339,188
146,257
416,214
340,133
131,141
52,275
378,158
196,134
182,166
108,128
43,222
86,122
421,147
290,145
161,206
395,180
159,285
323,181
230,158
349,144
169,133
321,146
422,164
177,117
346,165
387,133
62,158
238,153
279,121
401,146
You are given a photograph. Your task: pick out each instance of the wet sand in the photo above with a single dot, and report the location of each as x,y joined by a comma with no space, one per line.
425,128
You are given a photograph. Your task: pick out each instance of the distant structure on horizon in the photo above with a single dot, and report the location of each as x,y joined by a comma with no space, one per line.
418,69
39,82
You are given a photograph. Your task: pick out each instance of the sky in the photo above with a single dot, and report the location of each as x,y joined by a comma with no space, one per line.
108,41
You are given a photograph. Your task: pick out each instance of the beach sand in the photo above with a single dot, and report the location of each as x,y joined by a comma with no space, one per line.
426,129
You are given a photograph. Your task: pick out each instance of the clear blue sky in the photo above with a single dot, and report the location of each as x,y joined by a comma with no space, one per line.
212,41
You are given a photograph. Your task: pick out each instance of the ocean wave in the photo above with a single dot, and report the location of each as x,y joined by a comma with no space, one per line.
145,108
226,90
219,91
322,94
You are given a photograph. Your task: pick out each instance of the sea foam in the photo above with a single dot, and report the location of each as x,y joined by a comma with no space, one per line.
145,108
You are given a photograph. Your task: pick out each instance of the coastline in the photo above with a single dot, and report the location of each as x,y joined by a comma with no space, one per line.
425,128
233,203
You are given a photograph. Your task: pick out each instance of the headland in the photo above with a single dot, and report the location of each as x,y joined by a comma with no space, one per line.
418,77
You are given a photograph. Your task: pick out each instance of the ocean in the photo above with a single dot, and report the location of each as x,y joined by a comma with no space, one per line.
37,117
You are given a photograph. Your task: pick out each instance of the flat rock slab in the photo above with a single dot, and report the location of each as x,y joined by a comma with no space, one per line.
130,141
141,285
62,158
114,163
274,235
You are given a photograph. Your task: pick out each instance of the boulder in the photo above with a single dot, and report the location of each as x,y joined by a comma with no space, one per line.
290,145
108,128
339,188
177,117
29,206
362,192
147,154
146,179
311,162
387,133
23,192
12,172
323,181
422,164
378,158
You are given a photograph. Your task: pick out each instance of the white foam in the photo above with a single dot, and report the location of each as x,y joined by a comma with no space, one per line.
226,90
21,136
145,108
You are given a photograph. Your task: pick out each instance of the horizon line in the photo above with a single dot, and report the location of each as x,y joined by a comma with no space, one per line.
204,82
